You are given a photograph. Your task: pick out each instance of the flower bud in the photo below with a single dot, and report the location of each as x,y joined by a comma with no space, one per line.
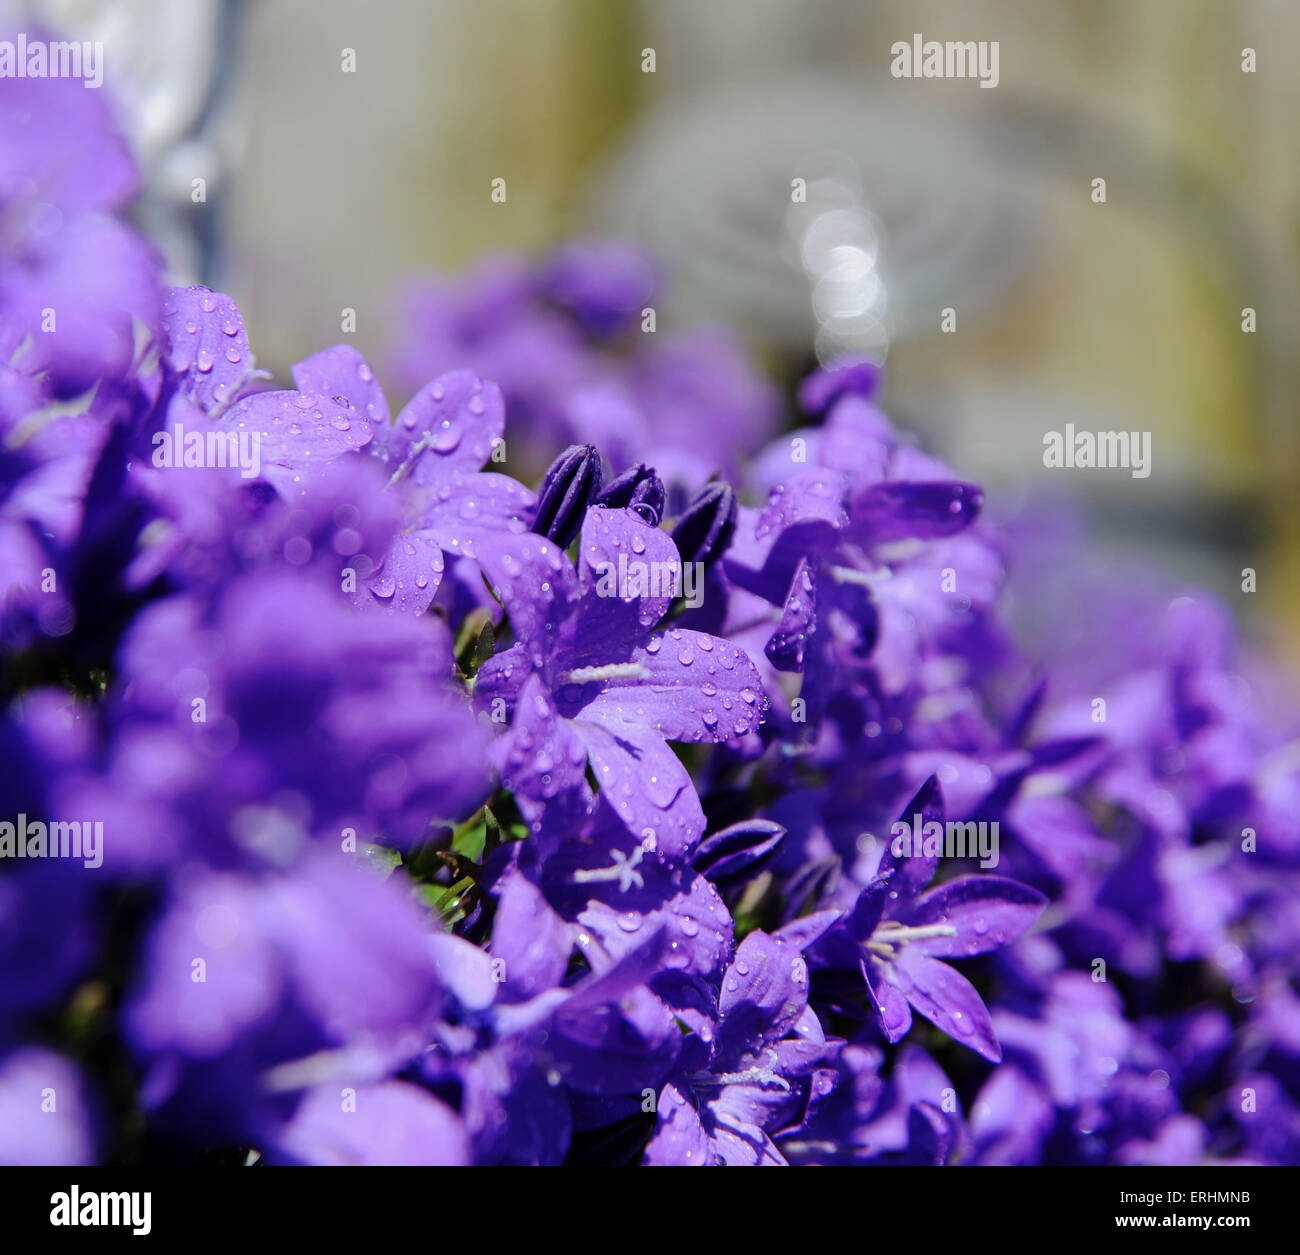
704,531
638,488
738,852
570,485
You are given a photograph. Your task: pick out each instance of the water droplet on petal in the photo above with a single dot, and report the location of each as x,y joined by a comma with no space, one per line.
448,437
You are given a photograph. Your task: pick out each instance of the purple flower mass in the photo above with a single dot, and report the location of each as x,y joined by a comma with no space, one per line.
374,795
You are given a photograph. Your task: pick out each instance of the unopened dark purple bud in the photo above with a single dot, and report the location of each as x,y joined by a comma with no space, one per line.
736,853
704,531
638,488
572,483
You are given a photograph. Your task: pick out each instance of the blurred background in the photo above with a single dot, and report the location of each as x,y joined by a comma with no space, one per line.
326,189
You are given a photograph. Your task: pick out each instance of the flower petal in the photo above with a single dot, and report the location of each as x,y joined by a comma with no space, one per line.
893,1014
948,1000
912,872
407,579
475,506
341,372
691,687
297,433
764,992
530,939
802,521
541,755
206,344
679,1139
392,1123
629,573
899,510
987,912
646,784
536,583
788,644
455,422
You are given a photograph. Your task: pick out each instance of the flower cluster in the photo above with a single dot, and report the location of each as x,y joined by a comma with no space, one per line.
689,803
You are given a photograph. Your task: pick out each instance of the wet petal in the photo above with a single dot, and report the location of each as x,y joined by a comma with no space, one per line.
629,571
948,1000
645,784
454,422
679,1139
687,686
341,372
206,344
986,911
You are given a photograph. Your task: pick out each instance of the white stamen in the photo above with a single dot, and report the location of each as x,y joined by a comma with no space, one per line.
611,671
623,870
866,579
761,1074
891,935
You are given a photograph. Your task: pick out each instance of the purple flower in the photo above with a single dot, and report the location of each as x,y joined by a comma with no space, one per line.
899,934
590,671
910,1117
430,454
72,276
758,1073
846,376
423,842
605,283
281,705
253,988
